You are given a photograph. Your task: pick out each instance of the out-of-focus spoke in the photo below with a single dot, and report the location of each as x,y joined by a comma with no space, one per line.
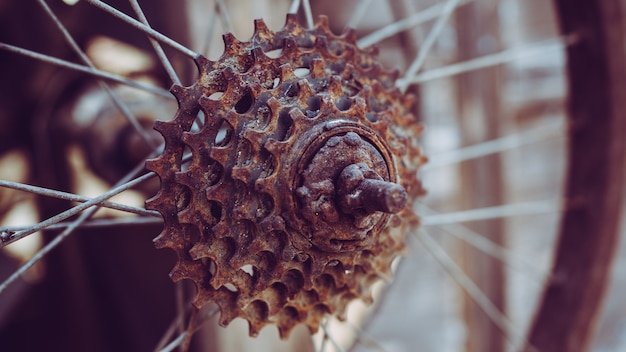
501,211
209,33
486,61
295,5
46,249
404,24
75,210
513,334
85,69
175,343
358,13
97,223
547,130
75,198
331,338
308,13
142,27
224,16
155,45
364,338
179,340
432,36
119,103
482,243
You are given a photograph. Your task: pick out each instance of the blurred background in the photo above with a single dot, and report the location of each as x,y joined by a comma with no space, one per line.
107,288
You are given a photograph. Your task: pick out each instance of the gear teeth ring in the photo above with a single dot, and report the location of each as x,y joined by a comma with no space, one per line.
293,193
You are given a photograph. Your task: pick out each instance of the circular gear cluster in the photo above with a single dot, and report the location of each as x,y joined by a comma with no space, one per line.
287,176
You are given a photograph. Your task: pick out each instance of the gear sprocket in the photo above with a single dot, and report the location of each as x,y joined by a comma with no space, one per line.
301,176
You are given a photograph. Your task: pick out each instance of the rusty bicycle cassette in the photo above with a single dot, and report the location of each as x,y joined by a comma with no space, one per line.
288,176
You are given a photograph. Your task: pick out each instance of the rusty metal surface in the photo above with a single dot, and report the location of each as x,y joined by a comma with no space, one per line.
300,186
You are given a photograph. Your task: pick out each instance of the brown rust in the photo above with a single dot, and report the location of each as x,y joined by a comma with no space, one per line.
302,168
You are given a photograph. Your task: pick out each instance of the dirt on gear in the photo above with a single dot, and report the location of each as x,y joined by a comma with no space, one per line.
288,176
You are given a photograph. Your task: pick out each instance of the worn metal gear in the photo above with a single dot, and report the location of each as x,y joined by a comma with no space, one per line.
300,181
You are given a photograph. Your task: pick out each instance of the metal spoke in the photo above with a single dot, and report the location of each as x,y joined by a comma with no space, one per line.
117,101
330,338
85,69
295,5
404,24
487,61
155,45
97,223
308,13
75,210
547,130
75,198
513,334
179,340
46,249
209,33
220,7
432,36
358,13
364,338
501,211
487,246
142,27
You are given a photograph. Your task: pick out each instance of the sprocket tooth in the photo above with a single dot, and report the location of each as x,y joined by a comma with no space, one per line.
261,31
290,50
287,319
321,45
327,105
315,317
317,68
335,88
243,173
286,73
260,58
323,24
179,92
349,36
305,92
291,24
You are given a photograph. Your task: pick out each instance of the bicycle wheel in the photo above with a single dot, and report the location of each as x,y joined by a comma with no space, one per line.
90,276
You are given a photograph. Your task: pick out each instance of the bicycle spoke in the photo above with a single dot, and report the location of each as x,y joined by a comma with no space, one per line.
295,5
181,337
496,212
142,27
513,334
75,210
209,33
491,248
546,131
119,103
329,337
84,69
46,249
432,36
75,198
364,338
96,223
358,13
404,24
224,16
486,61
175,343
308,13
171,329
167,65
